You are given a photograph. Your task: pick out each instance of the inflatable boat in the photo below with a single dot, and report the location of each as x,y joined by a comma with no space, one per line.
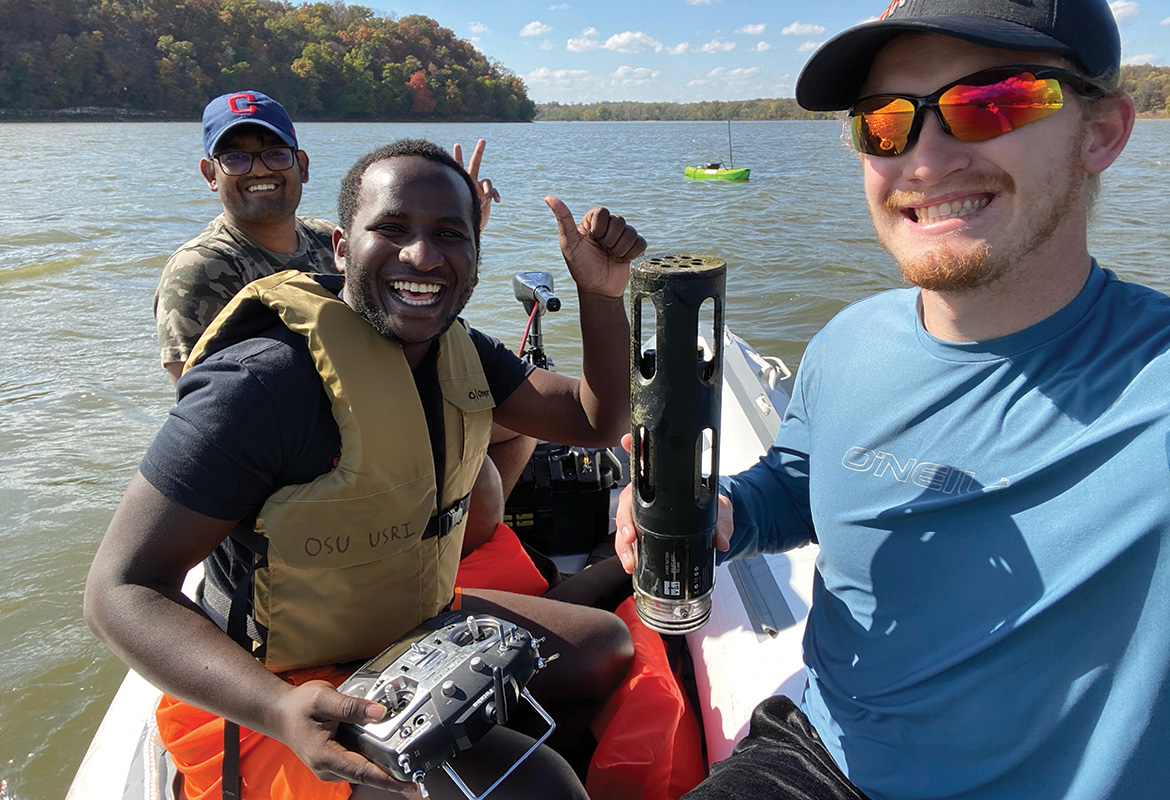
749,649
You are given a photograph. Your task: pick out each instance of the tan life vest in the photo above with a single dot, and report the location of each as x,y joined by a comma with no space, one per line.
350,566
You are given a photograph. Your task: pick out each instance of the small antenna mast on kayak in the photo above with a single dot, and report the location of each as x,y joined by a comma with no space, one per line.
730,156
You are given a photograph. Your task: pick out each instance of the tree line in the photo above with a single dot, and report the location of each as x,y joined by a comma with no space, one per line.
322,61
629,111
1148,85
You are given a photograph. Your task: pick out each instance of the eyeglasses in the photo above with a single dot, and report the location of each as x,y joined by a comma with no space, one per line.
972,109
240,163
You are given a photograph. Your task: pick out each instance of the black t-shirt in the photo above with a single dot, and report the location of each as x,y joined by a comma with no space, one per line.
254,417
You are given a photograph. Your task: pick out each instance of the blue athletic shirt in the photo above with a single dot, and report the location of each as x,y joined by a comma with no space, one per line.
991,611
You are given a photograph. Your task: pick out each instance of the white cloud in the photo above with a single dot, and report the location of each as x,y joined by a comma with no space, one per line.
559,78
679,49
808,47
763,47
699,2
586,41
1141,58
627,42
581,86
478,28
536,28
560,7
1125,10
806,29
1165,21
546,45
752,30
632,42
738,84
734,74
717,46
725,76
634,76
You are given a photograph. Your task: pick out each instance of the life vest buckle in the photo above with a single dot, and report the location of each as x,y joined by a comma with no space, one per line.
445,521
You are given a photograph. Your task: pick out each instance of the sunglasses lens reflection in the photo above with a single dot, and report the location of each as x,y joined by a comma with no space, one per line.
883,125
977,113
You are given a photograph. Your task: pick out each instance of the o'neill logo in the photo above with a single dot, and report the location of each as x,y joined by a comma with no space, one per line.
236,103
478,394
927,474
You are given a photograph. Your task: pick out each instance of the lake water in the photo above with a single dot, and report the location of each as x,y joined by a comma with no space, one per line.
89,213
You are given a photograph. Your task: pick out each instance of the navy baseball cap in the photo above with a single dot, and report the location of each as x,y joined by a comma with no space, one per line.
245,108
1083,31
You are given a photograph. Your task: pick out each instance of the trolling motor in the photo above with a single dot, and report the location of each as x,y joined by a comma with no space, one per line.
534,289
560,504
675,394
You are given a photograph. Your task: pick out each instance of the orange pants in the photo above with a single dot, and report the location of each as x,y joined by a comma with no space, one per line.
649,745
501,563
269,770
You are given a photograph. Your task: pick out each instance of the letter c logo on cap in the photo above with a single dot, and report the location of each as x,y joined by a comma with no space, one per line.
236,108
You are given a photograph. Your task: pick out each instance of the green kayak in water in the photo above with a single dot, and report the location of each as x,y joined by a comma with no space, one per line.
717,173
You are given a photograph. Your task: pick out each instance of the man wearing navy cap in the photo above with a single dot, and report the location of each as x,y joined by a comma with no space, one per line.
252,161
990,616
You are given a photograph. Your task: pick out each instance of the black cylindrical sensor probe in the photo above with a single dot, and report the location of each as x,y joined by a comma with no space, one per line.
675,391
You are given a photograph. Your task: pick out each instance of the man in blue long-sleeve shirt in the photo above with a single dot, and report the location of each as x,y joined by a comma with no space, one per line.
990,615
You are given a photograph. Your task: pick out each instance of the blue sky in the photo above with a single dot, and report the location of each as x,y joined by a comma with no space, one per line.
687,50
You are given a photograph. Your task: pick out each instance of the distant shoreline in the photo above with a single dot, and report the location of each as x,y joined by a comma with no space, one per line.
86,114
96,114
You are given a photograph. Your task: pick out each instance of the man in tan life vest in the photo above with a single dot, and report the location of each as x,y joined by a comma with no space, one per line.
327,435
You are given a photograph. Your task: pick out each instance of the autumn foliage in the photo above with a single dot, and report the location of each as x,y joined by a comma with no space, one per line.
422,102
322,60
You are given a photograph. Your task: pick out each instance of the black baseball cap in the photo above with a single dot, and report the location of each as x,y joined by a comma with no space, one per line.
1083,31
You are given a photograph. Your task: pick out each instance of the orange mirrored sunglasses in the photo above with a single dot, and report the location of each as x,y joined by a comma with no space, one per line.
980,106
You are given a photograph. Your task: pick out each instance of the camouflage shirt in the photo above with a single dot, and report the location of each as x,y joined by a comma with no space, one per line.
205,273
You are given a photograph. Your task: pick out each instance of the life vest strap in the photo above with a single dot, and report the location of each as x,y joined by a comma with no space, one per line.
231,760
445,521
251,540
